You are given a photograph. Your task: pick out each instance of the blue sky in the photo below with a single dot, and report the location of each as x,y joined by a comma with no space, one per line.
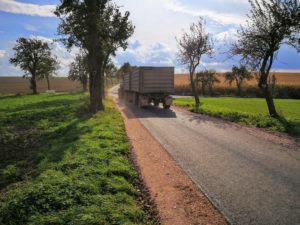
157,23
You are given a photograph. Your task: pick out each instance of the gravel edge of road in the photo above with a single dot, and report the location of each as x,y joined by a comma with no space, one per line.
145,198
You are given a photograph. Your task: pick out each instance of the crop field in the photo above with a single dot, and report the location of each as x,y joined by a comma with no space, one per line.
287,87
61,165
13,85
292,79
251,111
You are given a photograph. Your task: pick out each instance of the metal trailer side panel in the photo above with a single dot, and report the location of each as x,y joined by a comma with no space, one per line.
135,80
157,80
126,82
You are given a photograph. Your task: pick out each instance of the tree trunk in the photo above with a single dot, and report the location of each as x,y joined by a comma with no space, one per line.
96,103
203,88
269,100
33,84
96,83
48,82
95,58
103,85
263,83
210,90
239,90
195,91
104,78
84,86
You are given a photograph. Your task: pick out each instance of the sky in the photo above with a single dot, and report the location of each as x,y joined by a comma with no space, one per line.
157,24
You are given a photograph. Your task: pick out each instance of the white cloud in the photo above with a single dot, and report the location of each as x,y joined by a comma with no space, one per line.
229,35
153,22
147,54
155,53
12,6
160,21
42,38
2,53
30,27
222,18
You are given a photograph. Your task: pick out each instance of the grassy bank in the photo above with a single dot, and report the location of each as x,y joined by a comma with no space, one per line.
61,165
251,111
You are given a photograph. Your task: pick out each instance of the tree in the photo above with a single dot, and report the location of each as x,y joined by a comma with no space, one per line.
79,70
49,70
201,78
125,68
238,75
99,27
34,58
273,82
110,73
207,78
192,46
271,24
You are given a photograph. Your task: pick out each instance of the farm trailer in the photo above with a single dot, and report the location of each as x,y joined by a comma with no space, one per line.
146,85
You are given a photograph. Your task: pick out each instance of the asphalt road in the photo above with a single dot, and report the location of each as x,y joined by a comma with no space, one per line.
250,180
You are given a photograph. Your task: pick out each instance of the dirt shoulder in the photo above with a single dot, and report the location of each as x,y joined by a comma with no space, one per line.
177,198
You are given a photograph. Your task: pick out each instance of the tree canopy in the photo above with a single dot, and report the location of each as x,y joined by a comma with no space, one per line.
79,70
207,78
34,57
238,75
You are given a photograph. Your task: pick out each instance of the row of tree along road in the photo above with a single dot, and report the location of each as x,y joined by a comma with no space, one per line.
99,29
271,24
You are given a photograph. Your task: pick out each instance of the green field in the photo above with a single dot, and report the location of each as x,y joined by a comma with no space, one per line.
251,111
61,165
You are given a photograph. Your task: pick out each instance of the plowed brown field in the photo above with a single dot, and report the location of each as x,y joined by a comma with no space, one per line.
13,85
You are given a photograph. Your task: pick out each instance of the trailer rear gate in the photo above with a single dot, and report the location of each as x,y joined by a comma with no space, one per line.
149,84
151,80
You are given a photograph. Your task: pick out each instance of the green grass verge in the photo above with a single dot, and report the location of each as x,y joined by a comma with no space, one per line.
251,111
61,165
